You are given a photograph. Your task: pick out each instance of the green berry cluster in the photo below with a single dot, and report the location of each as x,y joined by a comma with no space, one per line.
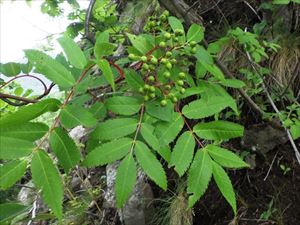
164,71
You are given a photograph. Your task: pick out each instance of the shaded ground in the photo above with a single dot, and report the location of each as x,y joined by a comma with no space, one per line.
276,199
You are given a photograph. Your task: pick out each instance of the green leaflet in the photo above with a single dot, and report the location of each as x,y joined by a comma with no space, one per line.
27,131
27,113
295,131
72,116
10,211
107,72
165,153
98,110
168,131
123,105
108,152
103,49
11,172
218,130
133,79
199,176
51,68
64,148
114,128
224,184
183,151
13,148
201,108
150,165
225,158
140,43
10,69
46,177
233,83
156,110
147,132
125,180
73,52
195,33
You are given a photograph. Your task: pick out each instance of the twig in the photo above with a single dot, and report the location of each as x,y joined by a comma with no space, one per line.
89,11
19,98
22,76
269,170
253,10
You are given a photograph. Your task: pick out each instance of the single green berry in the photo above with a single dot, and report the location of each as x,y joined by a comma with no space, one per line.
166,13
193,50
131,56
162,44
169,54
146,87
164,61
146,98
141,90
193,43
167,35
181,75
168,87
145,66
151,78
169,65
180,82
154,60
182,90
178,32
152,95
167,74
144,58
152,89
163,102
176,39
174,99
151,67
163,18
173,61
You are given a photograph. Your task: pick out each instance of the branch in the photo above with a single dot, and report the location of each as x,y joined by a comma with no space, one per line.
89,11
19,98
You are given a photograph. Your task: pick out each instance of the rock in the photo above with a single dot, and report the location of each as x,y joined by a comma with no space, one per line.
263,138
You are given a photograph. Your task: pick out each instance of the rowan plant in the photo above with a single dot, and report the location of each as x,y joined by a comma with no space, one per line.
159,104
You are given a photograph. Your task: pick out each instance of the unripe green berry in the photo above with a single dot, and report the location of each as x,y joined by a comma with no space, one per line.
181,75
144,58
174,99
163,18
176,39
151,78
169,54
131,57
152,95
182,90
141,90
193,43
145,66
166,13
167,74
164,61
169,65
162,44
168,87
152,89
151,67
146,87
193,50
178,32
167,35
173,61
180,82
163,102
146,98
153,60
